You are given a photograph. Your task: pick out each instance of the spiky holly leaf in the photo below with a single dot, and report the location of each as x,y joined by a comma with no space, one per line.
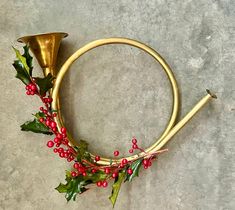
36,127
73,186
21,72
29,59
135,166
45,83
116,187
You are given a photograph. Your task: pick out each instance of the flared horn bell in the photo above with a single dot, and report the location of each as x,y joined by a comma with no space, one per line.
45,48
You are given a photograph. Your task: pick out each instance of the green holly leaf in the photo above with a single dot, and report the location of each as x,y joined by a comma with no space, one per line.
36,127
21,72
95,177
73,186
45,83
135,166
116,187
28,58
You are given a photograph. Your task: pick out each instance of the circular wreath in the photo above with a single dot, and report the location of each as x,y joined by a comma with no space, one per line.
87,169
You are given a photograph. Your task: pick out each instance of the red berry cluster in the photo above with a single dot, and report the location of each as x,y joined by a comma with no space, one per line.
102,183
60,142
81,170
134,145
60,145
31,89
147,163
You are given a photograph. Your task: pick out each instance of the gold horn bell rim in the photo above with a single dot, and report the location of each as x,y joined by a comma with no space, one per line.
45,48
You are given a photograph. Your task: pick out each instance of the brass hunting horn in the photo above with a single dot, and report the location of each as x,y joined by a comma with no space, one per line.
45,48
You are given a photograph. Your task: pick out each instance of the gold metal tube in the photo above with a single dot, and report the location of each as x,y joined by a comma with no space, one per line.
182,122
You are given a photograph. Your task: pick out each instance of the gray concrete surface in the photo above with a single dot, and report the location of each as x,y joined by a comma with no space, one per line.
116,92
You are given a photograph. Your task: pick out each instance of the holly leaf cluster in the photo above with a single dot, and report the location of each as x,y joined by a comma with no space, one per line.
23,65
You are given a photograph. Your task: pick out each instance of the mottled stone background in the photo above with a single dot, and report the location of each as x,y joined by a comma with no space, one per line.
116,92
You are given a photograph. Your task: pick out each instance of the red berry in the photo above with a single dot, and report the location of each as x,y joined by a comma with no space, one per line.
115,174
145,166
97,158
116,153
33,87
149,164
145,162
131,151
45,111
124,161
63,130
73,174
50,144
56,140
99,183
93,170
105,184
27,92
134,146
47,122
49,100
41,119
55,150
53,124
84,173
54,114
129,171
134,141
76,165
107,170
61,154
41,108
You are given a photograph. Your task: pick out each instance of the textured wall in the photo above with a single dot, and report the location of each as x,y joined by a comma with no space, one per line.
116,92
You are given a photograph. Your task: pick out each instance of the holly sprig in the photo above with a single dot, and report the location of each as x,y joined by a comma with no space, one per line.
86,171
